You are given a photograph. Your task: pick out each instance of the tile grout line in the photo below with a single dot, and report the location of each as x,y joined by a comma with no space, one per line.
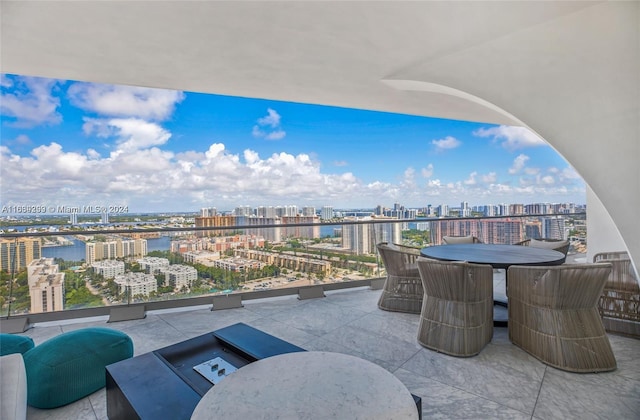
535,405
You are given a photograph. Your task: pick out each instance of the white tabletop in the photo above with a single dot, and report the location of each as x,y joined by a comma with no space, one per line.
308,385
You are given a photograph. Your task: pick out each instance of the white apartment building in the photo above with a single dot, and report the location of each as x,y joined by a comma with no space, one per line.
208,212
267,212
136,283
326,213
201,257
308,211
179,276
115,248
47,293
108,268
271,235
40,267
243,211
153,265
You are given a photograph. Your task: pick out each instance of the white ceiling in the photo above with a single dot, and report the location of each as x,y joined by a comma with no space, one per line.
335,53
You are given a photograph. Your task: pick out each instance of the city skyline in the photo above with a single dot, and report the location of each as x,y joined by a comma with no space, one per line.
67,143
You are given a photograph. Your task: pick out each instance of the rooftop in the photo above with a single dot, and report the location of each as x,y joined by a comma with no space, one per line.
502,381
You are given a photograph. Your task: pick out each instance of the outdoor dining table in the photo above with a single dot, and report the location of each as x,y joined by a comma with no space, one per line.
498,256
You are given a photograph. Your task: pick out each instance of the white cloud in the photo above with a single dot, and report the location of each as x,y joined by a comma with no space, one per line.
512,138
489,178
23,139
446,143
276,135
125,101
518,164
268,127
130,134
173,179
428,171
472,179
32,101
272,119
547,180
409,178
151,179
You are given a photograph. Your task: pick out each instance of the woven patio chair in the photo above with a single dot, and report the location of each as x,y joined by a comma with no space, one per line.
451,240
560,245
457,311
553,315
619,304
402,291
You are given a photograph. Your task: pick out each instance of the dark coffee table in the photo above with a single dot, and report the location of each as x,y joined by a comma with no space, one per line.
163,384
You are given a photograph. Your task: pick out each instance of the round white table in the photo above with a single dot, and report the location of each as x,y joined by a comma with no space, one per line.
308,385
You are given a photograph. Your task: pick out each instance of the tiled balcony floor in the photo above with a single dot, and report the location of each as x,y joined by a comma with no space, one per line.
501,382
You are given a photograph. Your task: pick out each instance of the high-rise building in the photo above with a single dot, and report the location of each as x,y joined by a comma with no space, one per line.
243,211
208,212
105,218
73,218
308,211
327,213
410,213
215,221
465,210
422,226
269,212
307,232
40,267
47,293
17,253
533,230
489,210
362,238
553,227
115,248
443,210
385,232
270,234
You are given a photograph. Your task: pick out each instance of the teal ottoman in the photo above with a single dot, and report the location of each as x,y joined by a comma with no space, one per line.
72,365
10,344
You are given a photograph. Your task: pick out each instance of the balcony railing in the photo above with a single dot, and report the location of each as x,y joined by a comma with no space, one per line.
231,263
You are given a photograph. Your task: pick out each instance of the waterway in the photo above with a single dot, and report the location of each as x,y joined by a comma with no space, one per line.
76,252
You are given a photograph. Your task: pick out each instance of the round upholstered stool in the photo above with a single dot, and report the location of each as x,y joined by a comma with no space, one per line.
10,343
72,365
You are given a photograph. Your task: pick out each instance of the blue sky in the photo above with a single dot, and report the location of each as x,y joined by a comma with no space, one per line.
67,143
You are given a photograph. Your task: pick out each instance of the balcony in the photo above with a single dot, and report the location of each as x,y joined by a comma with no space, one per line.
501,382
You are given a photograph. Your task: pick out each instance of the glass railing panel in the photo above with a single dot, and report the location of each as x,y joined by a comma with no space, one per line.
110,266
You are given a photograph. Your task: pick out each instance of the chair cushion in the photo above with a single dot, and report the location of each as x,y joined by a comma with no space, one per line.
72,365
546,244
10,343
450,240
